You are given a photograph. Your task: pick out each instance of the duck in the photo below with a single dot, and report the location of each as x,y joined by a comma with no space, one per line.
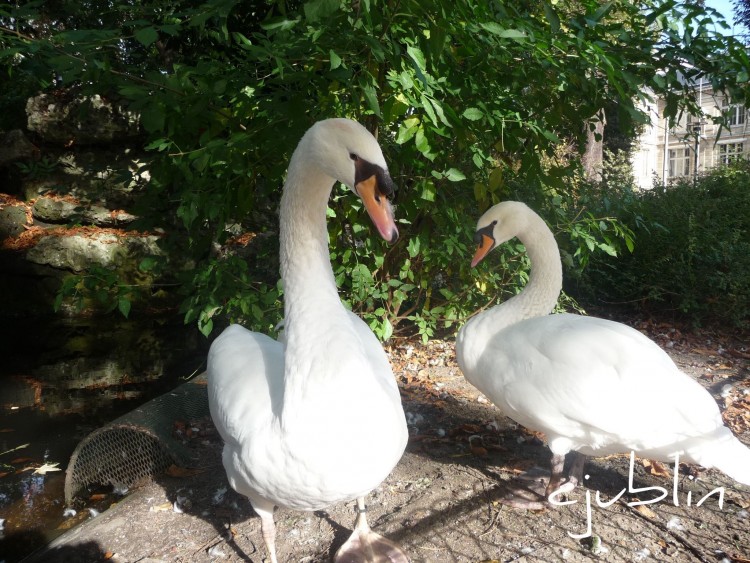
593,386
315,418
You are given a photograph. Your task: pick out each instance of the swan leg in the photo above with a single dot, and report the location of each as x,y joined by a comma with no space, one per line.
557,476
264,509
534,487
365,546
575,476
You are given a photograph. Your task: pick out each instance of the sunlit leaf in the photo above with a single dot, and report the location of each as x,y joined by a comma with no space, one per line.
473,114
335,59
500,31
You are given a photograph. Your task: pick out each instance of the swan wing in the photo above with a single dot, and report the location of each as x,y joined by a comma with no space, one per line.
375,356
245,382
594,384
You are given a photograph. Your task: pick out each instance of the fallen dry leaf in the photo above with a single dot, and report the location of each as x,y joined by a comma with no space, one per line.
164,507
47,468
656,468
703,351
176,471
645,511
739,354
479,451
740,500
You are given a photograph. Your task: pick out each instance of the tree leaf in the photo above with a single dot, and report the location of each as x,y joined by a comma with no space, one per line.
146,36
319,9
407,130
552,18
421,142
123,305
279,24
473,114
335,59
153,118
420,64
428,191
405,80
387,329
439,111
371,97
454,175
429,110
500,31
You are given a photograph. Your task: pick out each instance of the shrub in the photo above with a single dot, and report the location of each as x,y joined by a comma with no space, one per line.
692,251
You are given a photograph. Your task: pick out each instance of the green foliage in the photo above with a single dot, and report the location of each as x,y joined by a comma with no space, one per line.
471,102
99,288
227,286
36,169
693,249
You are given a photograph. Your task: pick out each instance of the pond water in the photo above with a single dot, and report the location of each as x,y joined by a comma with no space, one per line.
59,381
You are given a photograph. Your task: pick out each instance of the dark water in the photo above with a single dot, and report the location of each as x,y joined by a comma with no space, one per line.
59,381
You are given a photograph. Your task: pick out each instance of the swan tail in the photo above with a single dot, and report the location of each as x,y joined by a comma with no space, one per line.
731,457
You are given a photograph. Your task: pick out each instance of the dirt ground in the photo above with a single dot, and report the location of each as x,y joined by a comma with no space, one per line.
441,503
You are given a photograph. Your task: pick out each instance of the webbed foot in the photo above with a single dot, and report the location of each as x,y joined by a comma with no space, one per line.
365,546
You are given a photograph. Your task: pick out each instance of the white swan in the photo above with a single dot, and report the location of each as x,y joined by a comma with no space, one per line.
591,385
317,418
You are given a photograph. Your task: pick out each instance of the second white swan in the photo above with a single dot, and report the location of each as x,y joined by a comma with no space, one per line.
591,385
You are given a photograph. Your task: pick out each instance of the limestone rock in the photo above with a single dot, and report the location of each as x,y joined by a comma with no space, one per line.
80,121
60,211
12,220
80,252
15,146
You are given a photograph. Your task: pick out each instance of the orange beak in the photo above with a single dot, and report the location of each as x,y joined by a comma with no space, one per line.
484,247
378,207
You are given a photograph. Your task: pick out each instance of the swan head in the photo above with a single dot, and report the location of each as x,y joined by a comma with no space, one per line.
497,225
348,152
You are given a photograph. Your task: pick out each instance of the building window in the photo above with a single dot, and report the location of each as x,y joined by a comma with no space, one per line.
735,113
729,152
679,162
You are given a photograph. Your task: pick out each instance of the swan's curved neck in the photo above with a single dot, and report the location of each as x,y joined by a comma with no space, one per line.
537,298
312,307
303,236
545,279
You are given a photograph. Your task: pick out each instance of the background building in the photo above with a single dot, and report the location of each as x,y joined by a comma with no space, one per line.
695,144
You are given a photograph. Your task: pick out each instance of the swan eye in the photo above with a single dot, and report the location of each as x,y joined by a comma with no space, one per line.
353,156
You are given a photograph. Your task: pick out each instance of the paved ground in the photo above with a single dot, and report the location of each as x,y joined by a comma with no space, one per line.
441,502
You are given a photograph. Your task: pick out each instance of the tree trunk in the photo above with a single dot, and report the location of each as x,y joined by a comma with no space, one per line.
593,156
